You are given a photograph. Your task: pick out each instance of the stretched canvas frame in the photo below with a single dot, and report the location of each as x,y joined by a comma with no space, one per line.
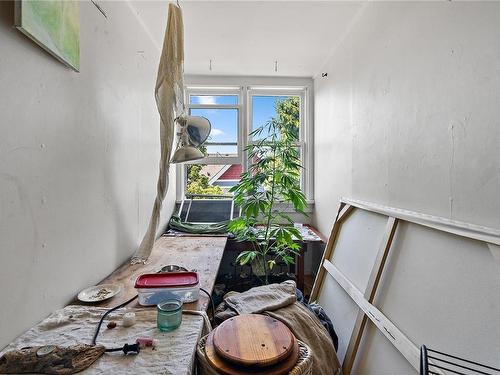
364,300
54,26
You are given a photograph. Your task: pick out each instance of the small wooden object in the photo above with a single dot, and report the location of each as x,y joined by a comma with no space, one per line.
253,340
228,368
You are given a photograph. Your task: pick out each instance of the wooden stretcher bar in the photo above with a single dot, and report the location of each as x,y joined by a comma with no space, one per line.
365,300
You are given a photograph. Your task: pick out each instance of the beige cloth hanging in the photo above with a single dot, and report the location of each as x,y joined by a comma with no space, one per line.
169,94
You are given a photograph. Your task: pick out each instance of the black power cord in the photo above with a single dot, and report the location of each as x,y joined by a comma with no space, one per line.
212,305
135,347
126,348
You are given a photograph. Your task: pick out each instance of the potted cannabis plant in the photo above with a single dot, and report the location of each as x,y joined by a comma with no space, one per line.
272,180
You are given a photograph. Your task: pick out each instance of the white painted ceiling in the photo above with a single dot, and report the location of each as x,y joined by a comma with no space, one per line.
247,37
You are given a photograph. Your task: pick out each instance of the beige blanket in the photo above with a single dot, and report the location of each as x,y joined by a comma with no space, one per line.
279,301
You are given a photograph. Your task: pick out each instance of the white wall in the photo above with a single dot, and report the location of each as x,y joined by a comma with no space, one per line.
79,155
408,116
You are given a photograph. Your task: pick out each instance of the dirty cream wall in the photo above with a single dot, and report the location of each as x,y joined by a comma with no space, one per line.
408,116
79,155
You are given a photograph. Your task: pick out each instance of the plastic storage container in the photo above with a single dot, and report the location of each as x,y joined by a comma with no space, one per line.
158,287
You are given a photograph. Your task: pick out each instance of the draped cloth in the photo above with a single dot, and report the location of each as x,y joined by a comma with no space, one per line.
169,94
280,302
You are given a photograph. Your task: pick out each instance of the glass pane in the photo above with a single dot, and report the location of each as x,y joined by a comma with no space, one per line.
294,154
224,123
214,99
221,150
284,109
208,179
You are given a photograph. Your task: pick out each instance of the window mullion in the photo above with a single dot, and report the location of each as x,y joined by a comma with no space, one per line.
245,113
214,106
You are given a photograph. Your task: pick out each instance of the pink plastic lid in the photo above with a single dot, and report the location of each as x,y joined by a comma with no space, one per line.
167,280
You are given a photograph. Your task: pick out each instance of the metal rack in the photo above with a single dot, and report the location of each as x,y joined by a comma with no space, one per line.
225,204
435,362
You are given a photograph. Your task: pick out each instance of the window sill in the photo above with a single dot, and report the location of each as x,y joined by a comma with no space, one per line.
282,206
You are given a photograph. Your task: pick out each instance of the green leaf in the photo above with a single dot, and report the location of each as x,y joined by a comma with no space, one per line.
245,257
288,259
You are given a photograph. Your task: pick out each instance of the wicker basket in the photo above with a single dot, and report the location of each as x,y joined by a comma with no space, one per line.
304,364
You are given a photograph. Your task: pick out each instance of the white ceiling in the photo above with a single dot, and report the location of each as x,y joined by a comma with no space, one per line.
247,37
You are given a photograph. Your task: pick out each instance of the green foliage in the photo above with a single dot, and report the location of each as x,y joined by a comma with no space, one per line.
198,188
273,176
288,111
198,182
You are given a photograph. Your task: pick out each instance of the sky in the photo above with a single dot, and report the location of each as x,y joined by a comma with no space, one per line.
224,121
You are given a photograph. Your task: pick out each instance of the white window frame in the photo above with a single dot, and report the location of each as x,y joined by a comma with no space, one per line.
246,88
229,91
301,144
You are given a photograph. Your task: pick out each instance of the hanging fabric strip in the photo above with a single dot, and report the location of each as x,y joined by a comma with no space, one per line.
169,94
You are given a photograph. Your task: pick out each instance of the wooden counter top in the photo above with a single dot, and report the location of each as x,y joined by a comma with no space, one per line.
200,254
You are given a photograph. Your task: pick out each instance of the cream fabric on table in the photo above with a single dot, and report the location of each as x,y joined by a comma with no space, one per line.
174,352
169,94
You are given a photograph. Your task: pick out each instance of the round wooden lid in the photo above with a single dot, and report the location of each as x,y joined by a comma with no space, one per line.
253,340
228,368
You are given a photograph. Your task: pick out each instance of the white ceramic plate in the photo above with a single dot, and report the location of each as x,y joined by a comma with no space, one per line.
99,293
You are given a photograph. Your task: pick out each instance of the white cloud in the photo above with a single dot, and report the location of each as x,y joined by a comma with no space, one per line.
216,132
205,99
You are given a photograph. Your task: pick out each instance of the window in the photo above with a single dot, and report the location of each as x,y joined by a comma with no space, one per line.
287,109
234,112
223,112
207,193
267,107
223,139
212,179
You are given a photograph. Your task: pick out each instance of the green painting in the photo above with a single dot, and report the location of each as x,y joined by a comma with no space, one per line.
54,25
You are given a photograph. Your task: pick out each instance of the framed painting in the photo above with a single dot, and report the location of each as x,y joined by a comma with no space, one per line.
54,25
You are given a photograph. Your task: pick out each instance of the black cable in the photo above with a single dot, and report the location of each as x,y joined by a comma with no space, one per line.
211,302
182,269
134,347
94,339
126,349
